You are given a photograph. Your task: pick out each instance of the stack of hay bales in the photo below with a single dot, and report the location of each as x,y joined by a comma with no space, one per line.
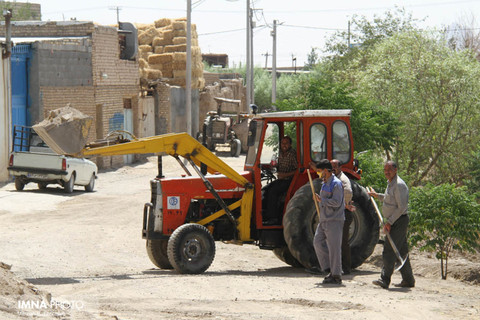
163,52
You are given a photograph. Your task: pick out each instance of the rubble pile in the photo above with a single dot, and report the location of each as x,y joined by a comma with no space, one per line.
65,130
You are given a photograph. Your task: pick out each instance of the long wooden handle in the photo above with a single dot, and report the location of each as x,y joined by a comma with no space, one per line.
313,193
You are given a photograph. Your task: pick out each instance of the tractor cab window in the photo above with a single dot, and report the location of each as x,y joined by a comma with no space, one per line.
318,143
341,142
254,135
270,144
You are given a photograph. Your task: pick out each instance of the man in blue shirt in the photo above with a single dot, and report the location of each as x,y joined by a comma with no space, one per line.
328,236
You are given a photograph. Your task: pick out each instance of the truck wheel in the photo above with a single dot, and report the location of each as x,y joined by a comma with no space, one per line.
42,185
157,252
19,184
300,222
235,147
89,187
364,230
285,255
68,186
191,249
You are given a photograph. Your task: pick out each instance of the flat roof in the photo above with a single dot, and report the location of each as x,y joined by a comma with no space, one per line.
307,113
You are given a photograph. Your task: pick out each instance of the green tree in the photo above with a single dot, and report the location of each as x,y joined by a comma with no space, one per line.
444,219
312,59
433,91
355,44
372,126
20,11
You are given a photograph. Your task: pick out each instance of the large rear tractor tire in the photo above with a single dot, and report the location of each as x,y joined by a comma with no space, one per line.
285,255
157,252
300,222
191,249
364,230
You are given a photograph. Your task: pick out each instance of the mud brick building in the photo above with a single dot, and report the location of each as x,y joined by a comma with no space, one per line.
81,64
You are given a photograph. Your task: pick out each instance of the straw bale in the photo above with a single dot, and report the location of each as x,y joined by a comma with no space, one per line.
179,40
179,73
152,74
158,49
179,56
181,19
157,41
167,73
196,50
145,55
167,34
156,66
142,63
144,38
179,33
163,42
145,48
163,22
160,58
179,25
176,48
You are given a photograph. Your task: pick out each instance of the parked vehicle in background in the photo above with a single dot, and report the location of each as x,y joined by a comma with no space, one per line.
32,160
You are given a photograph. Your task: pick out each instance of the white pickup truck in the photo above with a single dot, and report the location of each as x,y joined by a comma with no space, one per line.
32,161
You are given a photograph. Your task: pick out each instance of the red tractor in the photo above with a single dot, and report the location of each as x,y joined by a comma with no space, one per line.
187,214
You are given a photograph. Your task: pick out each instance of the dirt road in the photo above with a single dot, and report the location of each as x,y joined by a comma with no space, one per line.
86,249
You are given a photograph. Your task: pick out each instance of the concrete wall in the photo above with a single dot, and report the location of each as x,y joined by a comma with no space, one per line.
5,118
63,69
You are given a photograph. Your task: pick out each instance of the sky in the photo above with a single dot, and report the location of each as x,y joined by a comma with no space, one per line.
221,24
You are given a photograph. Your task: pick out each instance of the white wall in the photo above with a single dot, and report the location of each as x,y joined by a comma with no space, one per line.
5,117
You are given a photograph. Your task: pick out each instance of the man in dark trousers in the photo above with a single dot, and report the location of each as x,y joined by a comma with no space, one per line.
395,203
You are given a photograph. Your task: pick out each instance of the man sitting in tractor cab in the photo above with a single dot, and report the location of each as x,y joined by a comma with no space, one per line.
275,191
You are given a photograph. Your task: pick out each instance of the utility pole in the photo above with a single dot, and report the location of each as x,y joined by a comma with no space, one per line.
188,82
118,12
348,40
274,64
247,69
266,58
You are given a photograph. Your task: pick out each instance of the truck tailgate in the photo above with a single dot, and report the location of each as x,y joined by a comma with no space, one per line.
37,162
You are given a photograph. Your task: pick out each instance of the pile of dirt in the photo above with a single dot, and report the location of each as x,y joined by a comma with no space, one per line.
65,130
20,298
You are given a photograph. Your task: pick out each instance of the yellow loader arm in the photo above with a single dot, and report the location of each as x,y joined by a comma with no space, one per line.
182,144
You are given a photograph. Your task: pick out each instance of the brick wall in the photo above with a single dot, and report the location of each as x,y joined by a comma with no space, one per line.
31,29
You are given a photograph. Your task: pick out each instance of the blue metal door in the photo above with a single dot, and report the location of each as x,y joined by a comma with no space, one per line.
20,100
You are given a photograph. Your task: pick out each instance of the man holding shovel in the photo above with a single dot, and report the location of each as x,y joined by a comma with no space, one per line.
395,203
328,236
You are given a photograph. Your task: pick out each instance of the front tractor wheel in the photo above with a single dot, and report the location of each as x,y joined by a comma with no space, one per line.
157,252
191,249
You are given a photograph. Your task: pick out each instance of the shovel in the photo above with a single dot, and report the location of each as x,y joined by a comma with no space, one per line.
313,193
400,261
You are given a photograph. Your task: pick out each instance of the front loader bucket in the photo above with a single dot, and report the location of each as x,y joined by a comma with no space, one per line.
65,130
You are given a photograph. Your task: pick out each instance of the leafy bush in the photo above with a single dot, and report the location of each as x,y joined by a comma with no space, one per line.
443,219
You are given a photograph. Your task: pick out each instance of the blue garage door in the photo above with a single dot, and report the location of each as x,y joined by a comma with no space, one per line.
20,100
